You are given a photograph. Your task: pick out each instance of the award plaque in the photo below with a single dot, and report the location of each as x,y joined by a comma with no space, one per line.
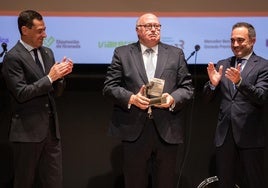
154,90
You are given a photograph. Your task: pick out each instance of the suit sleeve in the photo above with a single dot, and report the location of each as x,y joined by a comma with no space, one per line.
114,84
185,90
17,76
256,87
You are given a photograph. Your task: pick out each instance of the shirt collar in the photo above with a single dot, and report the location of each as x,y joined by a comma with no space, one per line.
27,46
143,48
247,56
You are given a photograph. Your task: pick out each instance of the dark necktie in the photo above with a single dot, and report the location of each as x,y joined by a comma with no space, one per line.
37,61
242,62
150,69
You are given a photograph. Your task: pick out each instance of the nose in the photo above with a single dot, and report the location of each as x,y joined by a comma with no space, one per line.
153,29
235,43
44,34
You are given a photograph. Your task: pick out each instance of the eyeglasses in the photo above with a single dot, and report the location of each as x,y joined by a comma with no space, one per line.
150,26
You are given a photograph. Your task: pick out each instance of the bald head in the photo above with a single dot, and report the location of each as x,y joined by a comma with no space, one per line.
144,17
148,29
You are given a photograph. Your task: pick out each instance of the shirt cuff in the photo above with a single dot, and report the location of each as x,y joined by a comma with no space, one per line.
49,79
212,87
171,108
129,106
238,84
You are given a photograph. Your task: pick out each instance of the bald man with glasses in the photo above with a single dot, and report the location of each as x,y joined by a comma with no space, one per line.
152,134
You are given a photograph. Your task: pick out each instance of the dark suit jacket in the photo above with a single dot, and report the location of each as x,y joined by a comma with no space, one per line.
31,94
242,108
126,75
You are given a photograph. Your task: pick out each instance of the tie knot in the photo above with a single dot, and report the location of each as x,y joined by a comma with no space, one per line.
149,51
240,60
34,51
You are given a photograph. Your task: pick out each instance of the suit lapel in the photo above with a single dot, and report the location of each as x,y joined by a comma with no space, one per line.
29,61
161,60
249,66
138,62
45,58
231,84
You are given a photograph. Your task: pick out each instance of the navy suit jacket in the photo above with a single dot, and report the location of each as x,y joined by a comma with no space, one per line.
126,75
241,109
31,94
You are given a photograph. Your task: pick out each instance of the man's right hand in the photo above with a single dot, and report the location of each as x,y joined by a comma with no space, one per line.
139,99
213,74
59,70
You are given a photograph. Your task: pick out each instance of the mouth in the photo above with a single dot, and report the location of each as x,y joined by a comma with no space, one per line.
237,49
153,35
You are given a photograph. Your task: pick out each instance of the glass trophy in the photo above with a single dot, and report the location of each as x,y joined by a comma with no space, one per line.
154,90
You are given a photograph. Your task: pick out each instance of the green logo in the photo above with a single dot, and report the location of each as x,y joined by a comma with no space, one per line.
112,44
48,41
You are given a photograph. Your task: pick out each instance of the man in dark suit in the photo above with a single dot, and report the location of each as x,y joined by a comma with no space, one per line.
240,130
151,135
33,79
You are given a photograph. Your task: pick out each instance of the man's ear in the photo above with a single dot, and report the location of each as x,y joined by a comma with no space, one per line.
24,30
253,40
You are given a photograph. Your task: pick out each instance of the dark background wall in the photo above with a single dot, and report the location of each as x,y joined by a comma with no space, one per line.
123,6
91,158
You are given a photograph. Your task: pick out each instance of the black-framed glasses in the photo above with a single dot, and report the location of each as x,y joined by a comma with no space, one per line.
150,26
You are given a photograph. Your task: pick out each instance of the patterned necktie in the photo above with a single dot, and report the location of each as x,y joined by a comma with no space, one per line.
242,62
149,67
37,60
